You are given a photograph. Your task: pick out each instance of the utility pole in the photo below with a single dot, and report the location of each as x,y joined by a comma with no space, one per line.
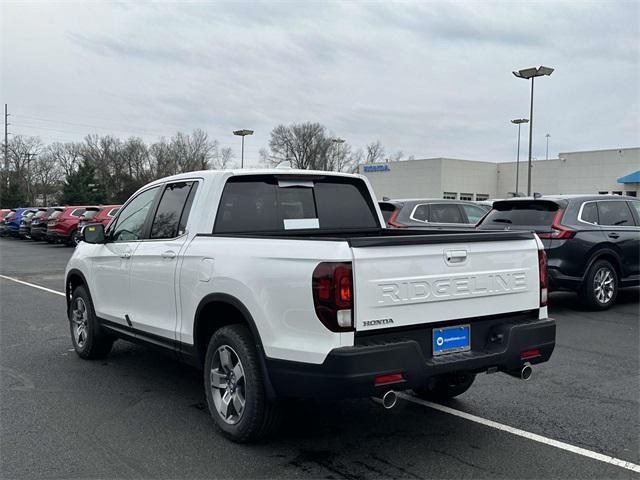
6,141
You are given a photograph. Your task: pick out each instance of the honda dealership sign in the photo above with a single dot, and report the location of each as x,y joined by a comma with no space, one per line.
376,168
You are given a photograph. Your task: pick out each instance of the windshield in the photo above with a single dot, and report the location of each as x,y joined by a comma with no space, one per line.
537,215
55,214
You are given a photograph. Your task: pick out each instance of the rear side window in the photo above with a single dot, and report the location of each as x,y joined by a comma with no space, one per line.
443,213
421,213
78,212
636,205
89,214
615,213
167,220
112,212
266,204
589,213
527,214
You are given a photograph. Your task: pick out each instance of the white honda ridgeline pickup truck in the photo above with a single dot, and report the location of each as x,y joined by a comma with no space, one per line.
284,283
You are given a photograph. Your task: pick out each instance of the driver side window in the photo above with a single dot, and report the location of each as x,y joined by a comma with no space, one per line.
130,223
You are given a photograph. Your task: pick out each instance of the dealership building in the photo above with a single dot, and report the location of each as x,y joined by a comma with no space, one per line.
615,171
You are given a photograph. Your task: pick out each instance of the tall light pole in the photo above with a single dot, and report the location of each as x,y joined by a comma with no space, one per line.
518,121
547,155
532,73
242,133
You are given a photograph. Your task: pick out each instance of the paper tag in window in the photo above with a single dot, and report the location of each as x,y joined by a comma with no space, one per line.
301,223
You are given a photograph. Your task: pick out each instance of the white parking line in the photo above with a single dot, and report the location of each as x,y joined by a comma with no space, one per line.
467,416
522,433
39,287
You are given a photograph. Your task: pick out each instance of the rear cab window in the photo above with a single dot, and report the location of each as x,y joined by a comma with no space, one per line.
530,214
266,203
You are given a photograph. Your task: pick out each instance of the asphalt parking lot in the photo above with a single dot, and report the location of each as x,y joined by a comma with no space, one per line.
139,414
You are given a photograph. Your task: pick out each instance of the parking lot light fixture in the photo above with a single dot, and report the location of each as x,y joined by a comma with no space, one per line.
242,133
519,122
531,74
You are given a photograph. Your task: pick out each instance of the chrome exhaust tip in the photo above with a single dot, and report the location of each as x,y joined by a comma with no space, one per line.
526,372
388,400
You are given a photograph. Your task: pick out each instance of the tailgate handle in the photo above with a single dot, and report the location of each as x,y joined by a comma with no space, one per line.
456,256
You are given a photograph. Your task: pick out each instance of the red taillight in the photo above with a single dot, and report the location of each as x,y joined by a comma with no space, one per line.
385,379
544,278
535,352
332,286
392,220
557,230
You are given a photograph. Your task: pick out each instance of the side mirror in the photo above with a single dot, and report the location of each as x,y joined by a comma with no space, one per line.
93,233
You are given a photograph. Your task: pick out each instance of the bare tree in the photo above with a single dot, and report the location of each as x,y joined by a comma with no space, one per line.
223,159
396,157
47,177
67,155
22,151
303,145
375,152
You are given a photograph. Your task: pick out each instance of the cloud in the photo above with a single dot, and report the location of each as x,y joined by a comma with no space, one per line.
427,78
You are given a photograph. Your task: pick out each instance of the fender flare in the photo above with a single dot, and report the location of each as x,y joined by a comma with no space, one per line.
599,253
67,291
244,311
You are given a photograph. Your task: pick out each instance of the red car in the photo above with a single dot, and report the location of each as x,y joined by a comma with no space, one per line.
102,214
3,213
63,224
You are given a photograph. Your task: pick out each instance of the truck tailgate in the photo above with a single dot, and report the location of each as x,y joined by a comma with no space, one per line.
409,284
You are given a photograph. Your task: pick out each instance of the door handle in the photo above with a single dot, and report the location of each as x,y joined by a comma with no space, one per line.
614,235
169,254
456,256
125,255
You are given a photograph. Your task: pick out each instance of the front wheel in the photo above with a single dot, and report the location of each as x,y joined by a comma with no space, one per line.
235,388
88,340
446,386
600,287
74,239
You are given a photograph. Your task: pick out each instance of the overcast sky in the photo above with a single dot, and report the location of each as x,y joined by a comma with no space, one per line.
428,78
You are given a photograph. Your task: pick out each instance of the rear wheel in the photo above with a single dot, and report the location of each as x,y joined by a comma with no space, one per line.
88,340
446,386
600,287
235,387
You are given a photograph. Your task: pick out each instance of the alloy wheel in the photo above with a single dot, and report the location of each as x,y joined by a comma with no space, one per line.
228,386
80,319
603,285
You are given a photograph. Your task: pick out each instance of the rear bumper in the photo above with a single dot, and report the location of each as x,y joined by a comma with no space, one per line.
350,372
560,281
38,232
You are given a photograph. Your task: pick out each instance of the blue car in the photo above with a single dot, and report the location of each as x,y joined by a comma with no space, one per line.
11,225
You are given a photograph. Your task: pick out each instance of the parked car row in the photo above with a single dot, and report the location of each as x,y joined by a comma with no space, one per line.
592,241
61,224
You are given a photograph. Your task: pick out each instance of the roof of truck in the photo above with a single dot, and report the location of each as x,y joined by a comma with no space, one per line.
253,171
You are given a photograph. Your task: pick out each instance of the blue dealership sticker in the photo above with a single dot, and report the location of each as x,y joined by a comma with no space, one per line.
451,339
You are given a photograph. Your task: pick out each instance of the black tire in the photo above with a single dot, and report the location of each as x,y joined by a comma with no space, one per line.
446,386
73,241
94,343
260,416
597,293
